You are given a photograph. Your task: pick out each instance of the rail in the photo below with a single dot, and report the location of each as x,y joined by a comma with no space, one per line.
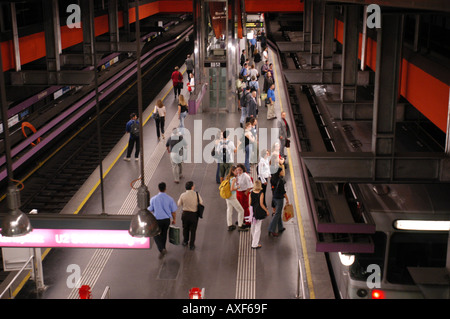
8,287
300,282
81,107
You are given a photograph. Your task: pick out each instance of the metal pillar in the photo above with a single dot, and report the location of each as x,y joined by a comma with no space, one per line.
349,75
88,35
126,20
447,138
389,54
307,11
15,37
232,53
198,41
316,31
52,41
113,20
328,38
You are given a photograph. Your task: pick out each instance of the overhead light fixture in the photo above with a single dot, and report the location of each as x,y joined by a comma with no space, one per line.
143,223
346,259
15,223
422,225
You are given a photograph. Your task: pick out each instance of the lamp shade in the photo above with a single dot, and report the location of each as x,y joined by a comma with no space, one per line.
15,223
144,224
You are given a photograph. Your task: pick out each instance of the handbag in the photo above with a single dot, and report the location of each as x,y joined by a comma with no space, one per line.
288,143
288,212
200,207
174,235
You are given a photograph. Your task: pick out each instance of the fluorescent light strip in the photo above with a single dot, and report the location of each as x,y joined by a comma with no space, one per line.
424,225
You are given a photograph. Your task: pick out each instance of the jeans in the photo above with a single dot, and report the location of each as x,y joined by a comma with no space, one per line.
277,223
248,151
244,114
182,117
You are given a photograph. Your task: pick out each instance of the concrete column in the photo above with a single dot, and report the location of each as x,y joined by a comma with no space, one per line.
15,37
113,20
52,40
307,12
389,54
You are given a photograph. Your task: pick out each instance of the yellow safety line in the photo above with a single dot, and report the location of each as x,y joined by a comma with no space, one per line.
297,207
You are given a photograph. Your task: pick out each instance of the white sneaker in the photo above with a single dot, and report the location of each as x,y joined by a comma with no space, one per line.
137,159
126,159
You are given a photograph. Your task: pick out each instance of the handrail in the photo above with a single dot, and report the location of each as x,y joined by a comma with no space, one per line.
300,282
107,293
15,277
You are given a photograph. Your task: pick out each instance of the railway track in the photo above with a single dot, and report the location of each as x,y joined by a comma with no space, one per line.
76,156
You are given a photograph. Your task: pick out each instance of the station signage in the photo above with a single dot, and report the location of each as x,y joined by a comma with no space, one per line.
76,238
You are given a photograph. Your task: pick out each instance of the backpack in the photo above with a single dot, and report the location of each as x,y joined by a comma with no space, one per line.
225,189
134,129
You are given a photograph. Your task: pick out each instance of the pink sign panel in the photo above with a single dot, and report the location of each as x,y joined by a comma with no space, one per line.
77,238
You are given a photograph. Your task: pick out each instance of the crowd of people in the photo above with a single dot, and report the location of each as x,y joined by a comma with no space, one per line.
242,185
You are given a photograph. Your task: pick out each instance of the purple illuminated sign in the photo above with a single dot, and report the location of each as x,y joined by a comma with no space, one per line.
77,238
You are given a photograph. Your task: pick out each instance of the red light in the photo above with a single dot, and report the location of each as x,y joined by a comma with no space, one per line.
195,293
377,294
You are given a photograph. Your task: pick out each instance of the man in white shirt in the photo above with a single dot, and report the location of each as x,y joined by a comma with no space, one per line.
245,185
225,150
264,171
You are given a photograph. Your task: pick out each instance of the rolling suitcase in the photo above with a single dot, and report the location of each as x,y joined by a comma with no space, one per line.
174,235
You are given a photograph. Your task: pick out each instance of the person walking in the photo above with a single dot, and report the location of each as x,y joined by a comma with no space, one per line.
133,128
249,145
188,202
244,185
175,147
189,65
259,213
164,208
271,106
284,133
279,194
191,83
232,202
159,114
177,81
182,110
268,81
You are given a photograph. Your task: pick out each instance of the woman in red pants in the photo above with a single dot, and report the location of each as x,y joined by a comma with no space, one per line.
244,186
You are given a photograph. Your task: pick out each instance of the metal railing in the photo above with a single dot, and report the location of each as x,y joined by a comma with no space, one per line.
300,282
8,288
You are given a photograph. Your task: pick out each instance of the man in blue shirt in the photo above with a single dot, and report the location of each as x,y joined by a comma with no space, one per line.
132,127
270,107
163,207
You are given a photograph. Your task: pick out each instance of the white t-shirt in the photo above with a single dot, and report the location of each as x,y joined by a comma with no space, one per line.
161,110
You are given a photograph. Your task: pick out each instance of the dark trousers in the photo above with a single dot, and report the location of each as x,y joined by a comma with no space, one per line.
177,89
190,221
131,142
161,239
160,126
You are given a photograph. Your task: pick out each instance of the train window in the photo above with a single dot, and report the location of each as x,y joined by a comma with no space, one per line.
358,270
415,250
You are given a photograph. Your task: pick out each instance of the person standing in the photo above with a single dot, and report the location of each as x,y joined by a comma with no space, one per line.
252,105
164,208
268,81
243,58
246,96
177,81
284,132
244,185
188,202
175,147
232,202
259,213
279,194
249,145
189,65
133,128
191,83
225,150
159,114
182,110
271,106
264,171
